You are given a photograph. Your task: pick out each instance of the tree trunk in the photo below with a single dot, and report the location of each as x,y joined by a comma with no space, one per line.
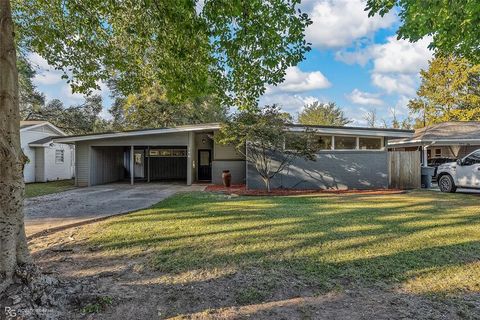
267,183
13,243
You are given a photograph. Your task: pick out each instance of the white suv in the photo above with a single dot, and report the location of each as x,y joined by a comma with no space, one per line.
465,173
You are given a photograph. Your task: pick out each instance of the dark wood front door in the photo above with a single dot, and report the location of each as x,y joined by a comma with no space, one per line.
205,165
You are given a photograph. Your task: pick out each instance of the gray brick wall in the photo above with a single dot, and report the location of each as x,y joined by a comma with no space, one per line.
236,167
336,170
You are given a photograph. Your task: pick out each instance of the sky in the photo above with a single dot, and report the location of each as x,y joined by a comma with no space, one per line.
355,61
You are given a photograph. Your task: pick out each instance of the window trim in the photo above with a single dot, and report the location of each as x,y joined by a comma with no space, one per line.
382,143
62,161
357,147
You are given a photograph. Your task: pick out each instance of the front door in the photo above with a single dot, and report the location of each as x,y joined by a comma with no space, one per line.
205,165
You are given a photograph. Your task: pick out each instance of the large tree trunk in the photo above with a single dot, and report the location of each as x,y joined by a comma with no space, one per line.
13,243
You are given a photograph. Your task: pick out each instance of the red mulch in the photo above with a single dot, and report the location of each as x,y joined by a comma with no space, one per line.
240,189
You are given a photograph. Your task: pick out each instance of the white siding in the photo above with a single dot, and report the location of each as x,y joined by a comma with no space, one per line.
25,138
55,170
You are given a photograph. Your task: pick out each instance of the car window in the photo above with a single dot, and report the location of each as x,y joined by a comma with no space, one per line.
472,159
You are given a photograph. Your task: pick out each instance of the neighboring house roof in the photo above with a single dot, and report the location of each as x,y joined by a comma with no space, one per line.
31,124
215,126
26,124
452,132
45,142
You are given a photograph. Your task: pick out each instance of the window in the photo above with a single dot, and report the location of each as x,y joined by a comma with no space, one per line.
179,153
168,153
345,143
438,153
370,143
59,156
472,159
322,142
138,158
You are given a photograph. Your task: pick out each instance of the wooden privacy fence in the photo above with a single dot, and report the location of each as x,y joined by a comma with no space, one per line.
404,169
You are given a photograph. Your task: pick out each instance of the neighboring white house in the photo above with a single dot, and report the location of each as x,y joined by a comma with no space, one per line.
47,160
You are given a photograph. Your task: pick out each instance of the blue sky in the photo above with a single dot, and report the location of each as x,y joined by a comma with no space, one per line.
355,61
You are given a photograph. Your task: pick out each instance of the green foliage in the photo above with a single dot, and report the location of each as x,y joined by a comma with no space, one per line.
452,23
100,304
231,49
77,119
151,109
30,100
450,90
260,135
328,114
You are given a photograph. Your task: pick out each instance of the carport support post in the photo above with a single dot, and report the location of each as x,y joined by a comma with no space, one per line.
148,164
132,173
425,156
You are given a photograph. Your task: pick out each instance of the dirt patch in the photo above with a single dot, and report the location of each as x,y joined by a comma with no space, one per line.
241,190
134,291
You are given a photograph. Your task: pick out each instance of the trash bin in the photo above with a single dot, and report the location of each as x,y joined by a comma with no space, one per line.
427,174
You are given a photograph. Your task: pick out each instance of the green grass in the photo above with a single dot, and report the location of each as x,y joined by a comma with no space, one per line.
425,242
43,188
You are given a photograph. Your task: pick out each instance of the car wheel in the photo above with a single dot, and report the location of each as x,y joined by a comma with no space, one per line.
446,184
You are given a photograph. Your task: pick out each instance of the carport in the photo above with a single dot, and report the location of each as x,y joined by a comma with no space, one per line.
138,163
166,155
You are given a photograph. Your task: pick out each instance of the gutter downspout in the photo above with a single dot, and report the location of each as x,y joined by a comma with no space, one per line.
425,154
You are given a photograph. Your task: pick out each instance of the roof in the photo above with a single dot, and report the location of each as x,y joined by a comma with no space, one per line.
215,126
30,123
451,132
42,142
358,131
142,132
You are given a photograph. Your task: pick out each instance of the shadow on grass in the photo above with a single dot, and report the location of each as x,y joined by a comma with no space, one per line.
283,247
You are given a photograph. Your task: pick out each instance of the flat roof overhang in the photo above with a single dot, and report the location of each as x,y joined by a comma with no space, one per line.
136,133
439,143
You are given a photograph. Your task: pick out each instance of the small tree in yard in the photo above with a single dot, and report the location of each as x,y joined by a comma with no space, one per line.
260,135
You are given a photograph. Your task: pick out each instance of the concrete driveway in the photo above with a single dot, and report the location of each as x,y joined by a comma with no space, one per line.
82,204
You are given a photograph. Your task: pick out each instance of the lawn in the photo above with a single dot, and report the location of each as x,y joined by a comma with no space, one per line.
43,188
209,250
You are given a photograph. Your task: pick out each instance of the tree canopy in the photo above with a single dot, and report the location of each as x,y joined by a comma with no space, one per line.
328,114
151,109
452,24
229,48
450,90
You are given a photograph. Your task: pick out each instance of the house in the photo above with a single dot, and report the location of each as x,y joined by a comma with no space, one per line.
453,139
47,160
351,158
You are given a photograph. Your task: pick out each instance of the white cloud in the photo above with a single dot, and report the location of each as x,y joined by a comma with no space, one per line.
338,23
396,83
364,98
396,63
401,56
291,103
297,80
361,57
401,107
50,82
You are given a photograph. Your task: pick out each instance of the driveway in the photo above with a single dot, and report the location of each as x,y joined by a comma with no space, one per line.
82,204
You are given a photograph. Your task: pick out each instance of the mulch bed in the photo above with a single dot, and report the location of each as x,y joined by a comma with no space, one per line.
242,191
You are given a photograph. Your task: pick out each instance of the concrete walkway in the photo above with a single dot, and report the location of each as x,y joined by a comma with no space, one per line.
82,204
